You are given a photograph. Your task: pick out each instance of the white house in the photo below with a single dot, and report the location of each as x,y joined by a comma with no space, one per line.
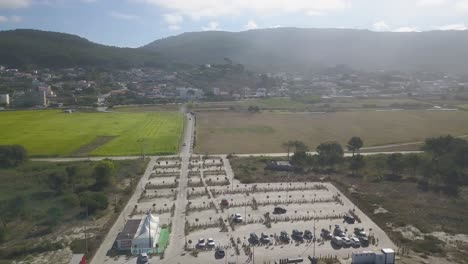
139,235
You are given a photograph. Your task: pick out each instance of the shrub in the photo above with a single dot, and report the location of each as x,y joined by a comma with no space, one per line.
94,201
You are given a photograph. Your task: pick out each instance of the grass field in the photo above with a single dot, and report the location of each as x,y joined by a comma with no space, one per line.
236,132
53,133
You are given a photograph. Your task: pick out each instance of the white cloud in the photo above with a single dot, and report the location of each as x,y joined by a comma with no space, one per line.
431,3
12,4
251,24
462,6
380,26
213,25
123,16
452,27
217,8
174,27
315,13
406,29
10,19
173,19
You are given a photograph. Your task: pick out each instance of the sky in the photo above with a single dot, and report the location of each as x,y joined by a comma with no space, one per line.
134,23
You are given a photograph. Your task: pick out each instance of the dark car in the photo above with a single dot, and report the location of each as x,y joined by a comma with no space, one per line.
279,210
142,258
224,203
219,254
297,235
265,239
326,234
253,239
364,241
349,219
338,232
284,237
308,235
360,232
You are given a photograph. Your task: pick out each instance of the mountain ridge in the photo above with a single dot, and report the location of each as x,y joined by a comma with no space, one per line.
300,49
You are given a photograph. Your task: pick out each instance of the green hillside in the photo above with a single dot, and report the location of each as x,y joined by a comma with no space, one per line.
23,47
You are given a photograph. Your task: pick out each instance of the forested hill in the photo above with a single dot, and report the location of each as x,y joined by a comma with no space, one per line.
23,47
294,49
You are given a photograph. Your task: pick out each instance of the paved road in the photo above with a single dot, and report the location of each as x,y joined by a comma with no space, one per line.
176,241
106,245
100,256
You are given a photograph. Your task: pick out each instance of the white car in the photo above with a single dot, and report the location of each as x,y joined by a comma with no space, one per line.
237,218
346,242
355,242
211,243
201,243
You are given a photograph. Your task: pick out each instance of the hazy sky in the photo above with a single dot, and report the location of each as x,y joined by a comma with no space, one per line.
137,22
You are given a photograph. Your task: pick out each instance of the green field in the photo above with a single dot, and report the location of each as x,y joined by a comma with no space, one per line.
241,132
53,133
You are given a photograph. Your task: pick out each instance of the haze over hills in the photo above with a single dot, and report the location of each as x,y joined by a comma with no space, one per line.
266,50
294,49
23,47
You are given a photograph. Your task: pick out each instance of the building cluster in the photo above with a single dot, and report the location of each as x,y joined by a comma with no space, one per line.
90,87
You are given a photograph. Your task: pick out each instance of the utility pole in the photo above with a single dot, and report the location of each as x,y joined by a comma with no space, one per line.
149,227
86,231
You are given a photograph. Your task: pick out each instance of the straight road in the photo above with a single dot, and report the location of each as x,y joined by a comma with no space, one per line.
108,241
106,245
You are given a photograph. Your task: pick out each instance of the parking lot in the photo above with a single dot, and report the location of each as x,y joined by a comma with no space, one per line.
213,197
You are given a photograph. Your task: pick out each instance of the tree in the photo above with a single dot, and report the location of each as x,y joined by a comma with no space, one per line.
12,156
413,161
355,144
57,181
93,201
288,145
72,172
357,163
104,173
395,163
330,153
296,145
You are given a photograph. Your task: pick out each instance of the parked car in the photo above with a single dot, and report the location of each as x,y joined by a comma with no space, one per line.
284,236
358,231
364,241
224,203
338,232
297,235
308,235
183,145
210,243
355,242
346,242
201,243
253,239
219,254
279,210
326,234
142,258
337,241
265,239
349,219
237,218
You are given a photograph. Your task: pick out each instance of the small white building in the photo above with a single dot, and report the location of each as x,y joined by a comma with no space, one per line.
139,235
385,256
4,99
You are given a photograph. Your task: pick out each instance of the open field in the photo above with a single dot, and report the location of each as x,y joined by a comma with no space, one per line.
53,133
313,104
236,132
